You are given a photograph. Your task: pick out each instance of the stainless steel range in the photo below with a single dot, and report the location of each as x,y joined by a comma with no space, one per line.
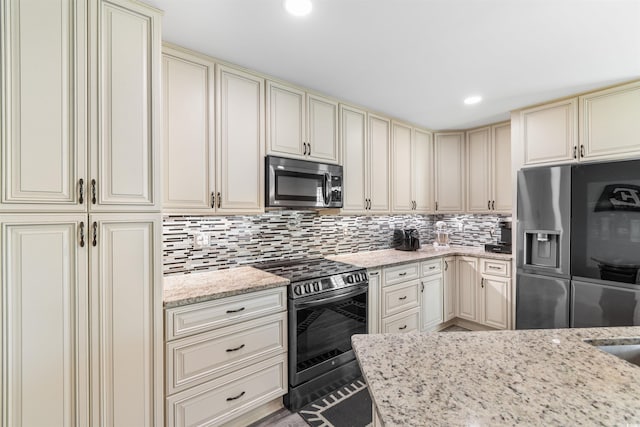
327,305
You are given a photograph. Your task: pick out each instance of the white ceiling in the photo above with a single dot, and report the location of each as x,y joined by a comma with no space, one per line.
418,59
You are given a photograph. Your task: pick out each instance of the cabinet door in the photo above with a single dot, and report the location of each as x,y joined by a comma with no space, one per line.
432,301
125,161
449,170
495,301
322,132
126,319
285,120
402,192
188,132
373,302
479,170
378,156
502,189
609,123
44,336
240,142
550,132
353,138
422,159
468,279
450,285
43,110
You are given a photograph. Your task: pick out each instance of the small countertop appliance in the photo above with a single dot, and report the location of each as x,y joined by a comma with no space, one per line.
406,240
504,243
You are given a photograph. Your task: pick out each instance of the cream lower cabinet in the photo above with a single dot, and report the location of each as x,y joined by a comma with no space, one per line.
431,289
450,284
83,132
484,291
400,299
80,316
231,357
412,169
373,302
449,167
366,149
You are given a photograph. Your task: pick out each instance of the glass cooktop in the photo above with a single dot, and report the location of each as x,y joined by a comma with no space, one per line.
306,268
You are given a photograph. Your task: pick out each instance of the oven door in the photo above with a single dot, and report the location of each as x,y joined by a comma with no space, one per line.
320,330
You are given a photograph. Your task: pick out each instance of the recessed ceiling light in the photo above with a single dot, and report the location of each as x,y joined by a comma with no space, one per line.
298,7
470,100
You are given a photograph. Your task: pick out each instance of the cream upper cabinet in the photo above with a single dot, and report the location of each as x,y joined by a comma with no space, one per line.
207,172
402,191
488,156
44,313
449,172
240,142
125,160
467,272
44,109
450,285
188,138
108,101
610,123
353,139
550,133
422,166
479,170
301,125
378,154
126,300
412,168
501,161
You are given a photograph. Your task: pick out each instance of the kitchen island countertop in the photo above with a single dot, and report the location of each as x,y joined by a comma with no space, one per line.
488,378
389,257
198,287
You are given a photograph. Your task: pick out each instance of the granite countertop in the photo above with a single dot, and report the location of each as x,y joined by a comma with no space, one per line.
198,287
488,378
387,257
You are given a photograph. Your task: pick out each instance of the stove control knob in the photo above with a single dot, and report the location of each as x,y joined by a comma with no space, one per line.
351,279
297,290
316,286
307,288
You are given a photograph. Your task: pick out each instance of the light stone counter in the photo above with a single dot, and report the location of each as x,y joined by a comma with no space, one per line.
388,257
198,287
535,377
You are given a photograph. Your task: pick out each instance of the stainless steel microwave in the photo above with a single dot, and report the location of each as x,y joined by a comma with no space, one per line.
302,184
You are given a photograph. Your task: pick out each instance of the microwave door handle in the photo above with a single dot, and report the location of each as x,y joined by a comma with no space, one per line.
327,189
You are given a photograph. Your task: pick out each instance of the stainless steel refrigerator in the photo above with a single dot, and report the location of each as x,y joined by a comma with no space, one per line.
578,246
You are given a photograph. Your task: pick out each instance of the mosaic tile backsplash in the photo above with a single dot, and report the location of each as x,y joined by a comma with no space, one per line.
279,235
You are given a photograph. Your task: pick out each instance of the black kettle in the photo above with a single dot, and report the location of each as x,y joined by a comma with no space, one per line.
406,240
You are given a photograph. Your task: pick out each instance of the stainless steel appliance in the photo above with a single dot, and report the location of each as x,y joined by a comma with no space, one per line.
543,248
578,246
605,254
327,305
504,240
302,184
406,240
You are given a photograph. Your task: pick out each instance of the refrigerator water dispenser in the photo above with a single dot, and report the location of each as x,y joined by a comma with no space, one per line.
541,248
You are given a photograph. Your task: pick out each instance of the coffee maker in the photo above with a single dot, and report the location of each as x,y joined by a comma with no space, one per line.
406,240
504,239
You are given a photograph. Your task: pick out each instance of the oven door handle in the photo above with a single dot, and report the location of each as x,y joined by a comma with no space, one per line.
359,291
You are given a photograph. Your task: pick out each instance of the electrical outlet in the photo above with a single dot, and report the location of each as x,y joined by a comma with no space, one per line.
200,240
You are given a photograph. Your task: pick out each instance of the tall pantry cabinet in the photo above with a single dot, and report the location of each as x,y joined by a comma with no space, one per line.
80,222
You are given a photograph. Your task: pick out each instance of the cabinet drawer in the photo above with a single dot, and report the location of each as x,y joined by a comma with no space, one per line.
408,321
400,297
218,401
201,358
496,268
433,266
205,316
401,273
